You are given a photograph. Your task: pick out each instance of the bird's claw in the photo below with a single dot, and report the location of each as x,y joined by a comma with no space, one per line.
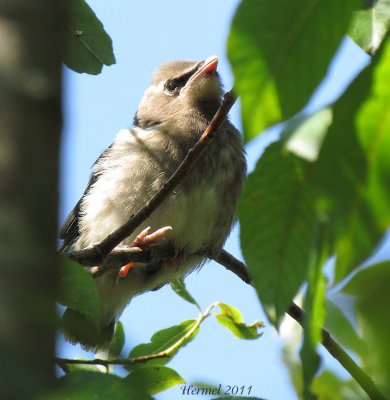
143,239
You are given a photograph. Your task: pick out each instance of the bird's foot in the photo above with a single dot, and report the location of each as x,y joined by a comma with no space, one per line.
142,240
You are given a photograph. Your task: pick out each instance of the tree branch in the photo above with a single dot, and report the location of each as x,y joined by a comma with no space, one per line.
96,254
238,268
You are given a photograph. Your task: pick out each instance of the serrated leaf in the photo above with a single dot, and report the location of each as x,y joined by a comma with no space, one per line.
84,385
340,173
155,378
277,60
373,125
353,170
277,221
231,318
118,341
163,340
370,24
180,289
78,290
88,45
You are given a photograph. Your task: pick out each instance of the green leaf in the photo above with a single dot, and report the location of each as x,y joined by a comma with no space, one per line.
84,385
340,173
369,25
280,52
118,340
315,314
277,223
231,318
180,289
370,286
78,290
373,124
88,45
163,340
155,378
341,327
353,171
304,134
328,386
83,367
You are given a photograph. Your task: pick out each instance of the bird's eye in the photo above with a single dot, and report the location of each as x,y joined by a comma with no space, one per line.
171,86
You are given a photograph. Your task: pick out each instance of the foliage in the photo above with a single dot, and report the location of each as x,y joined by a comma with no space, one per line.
322,189
146,361
89,47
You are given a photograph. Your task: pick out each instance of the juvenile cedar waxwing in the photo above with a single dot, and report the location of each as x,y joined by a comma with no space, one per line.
196,218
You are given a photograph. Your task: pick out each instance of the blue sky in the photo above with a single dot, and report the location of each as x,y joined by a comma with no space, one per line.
144,35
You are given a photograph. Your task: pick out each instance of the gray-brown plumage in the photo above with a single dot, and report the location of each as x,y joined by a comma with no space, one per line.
173,113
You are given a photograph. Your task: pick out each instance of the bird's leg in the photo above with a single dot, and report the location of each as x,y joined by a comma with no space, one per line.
143,240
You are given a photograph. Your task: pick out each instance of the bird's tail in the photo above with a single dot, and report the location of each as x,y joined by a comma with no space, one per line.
78,328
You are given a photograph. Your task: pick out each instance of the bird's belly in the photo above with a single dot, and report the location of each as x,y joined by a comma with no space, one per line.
191,214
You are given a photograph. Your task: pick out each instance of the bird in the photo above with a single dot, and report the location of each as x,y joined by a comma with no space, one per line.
196,218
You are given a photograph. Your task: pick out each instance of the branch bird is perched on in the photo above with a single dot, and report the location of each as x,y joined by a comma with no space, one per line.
193,222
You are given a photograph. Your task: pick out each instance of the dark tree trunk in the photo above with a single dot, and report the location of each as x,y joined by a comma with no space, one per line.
30,123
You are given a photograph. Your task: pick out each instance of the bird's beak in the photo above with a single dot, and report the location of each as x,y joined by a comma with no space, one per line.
208,65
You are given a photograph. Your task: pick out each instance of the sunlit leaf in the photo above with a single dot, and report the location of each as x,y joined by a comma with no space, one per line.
340,173
277,223
370,24
304,135
88,45
163,340
180,289
353,169
154,379
231,318
373,124
280,52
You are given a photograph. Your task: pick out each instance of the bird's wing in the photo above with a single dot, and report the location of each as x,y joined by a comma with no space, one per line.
70,229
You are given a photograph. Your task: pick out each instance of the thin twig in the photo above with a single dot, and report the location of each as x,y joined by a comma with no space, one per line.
234,265
64,362
96,254
365,382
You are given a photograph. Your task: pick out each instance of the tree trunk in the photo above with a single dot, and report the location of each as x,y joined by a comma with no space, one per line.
31,35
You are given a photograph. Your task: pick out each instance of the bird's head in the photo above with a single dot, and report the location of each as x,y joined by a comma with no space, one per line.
179,88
